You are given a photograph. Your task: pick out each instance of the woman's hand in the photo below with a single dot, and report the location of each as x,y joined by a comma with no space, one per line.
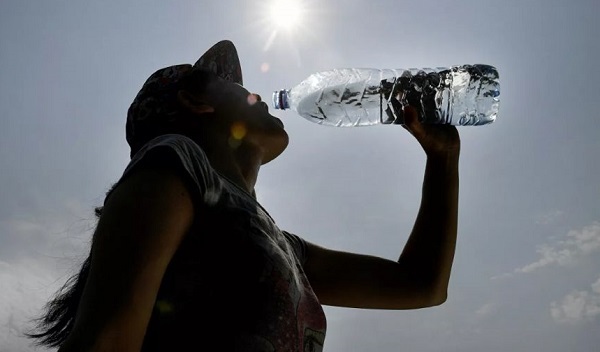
436,140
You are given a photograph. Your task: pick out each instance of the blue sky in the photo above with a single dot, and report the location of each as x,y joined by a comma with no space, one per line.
527,268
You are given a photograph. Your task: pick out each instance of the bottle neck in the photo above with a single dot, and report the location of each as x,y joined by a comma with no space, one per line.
281,99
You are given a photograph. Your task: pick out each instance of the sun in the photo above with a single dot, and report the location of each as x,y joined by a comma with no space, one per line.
291,21
286,14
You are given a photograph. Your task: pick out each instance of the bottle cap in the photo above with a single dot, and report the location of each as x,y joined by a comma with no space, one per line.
280,99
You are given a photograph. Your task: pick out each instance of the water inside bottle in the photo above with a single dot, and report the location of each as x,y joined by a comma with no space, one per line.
461,95
343,105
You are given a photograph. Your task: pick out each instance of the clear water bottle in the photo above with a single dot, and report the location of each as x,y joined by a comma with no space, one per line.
459,95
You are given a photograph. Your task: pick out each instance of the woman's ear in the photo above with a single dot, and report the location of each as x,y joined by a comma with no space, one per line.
193,103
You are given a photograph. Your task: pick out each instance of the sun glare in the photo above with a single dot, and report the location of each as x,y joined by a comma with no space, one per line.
288,21
286,14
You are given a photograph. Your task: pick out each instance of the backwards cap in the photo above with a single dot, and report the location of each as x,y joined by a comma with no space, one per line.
155,102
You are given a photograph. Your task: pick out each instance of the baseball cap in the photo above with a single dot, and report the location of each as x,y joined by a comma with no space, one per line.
156,101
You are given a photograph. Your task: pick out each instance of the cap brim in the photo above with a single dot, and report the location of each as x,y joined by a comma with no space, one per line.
223,60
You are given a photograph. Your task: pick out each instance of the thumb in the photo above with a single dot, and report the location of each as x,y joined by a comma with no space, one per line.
411,121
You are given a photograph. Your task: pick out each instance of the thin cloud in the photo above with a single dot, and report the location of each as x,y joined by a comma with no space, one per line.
577,306
40,251
567,251
59,232
25,286
486,310
549,217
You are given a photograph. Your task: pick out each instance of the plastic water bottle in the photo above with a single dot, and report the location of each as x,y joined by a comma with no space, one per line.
459,95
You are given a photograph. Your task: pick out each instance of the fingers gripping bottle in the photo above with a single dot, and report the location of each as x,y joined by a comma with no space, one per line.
460,95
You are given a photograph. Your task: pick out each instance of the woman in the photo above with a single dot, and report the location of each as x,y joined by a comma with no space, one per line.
184,257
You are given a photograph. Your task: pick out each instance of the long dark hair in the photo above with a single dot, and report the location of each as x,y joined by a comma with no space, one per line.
56,323
58,318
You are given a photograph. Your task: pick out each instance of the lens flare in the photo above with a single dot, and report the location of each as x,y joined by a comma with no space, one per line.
238,131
